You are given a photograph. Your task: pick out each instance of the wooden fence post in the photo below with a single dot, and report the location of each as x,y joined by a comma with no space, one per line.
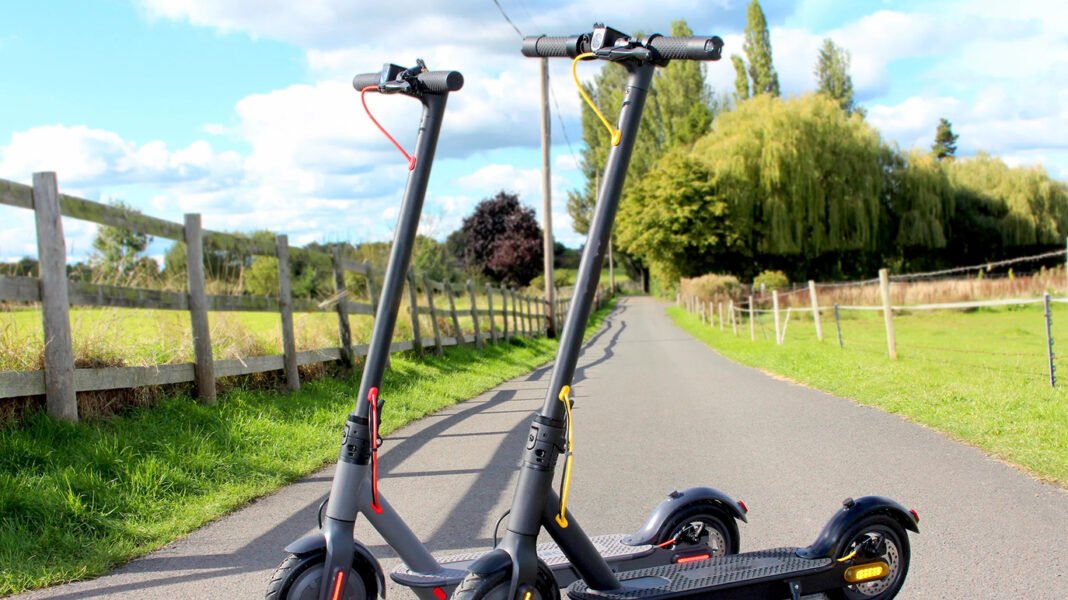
815,309
838,325
775,310
285,306
372,293
721,325
456,331
433,314
504,311
515,312
492,317
413,307
888,313
1049,341
474,313
531,323
61,402
344,329
752,325
734,318
204,367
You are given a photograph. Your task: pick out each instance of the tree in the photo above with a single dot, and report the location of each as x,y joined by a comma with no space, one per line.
832,75
117,250
503,241
757,48
945,144
741,79
684,106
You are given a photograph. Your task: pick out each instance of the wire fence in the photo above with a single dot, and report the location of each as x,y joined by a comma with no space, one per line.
935,310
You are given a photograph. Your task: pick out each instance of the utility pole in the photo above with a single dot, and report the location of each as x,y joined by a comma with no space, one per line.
547,202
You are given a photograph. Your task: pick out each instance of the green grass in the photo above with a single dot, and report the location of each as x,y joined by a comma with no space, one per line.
79,499
979,376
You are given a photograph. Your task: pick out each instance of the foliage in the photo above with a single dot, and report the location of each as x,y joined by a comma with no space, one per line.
832,75
712,287
757,46
675,221
116,256
503,241
1024,204
945,144
771,280
918,203
741,79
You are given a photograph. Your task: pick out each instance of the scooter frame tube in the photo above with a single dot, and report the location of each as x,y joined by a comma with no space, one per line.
534,503
350,493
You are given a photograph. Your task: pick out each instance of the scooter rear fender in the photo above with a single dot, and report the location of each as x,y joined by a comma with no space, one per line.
676,501
852,512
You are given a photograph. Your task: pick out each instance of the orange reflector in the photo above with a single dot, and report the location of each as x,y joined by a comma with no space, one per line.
440,594
867,572
337,585
689,559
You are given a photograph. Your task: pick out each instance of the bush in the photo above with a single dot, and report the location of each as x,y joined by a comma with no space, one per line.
712,288
771,280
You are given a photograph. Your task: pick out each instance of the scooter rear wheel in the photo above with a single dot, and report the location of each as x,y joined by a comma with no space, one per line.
300,576
896,555
495,585
701,522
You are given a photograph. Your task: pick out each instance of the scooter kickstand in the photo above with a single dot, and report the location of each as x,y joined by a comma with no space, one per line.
795,589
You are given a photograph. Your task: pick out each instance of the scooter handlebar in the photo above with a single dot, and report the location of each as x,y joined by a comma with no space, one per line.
687,48
435,82
546,46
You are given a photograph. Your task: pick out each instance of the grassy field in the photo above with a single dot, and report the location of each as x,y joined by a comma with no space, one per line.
79,499
980,376
141,337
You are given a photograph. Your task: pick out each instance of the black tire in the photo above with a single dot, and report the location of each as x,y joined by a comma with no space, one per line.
897,555
299,578
494,586
718,529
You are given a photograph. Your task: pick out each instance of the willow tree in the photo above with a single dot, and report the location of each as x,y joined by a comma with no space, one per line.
801,177
918,206
1035,206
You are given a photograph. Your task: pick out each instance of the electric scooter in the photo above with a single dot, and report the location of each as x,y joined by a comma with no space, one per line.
330,564
862,552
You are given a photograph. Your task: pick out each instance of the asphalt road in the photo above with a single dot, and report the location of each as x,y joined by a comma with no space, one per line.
656,410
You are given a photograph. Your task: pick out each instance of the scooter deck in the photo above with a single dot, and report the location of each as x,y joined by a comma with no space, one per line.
454,566
701,579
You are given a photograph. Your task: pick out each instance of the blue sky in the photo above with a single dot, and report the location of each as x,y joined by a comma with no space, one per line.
243,111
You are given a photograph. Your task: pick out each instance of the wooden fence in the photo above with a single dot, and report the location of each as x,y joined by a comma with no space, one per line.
517,314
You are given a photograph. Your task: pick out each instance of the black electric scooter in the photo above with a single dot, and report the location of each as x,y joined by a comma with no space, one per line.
862,552
690,525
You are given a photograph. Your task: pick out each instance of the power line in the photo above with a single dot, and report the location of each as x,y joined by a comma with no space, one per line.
552,91
505,15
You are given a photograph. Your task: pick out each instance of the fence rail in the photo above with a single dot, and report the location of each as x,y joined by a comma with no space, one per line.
59,381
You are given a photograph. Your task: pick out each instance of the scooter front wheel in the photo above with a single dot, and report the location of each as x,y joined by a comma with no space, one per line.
894,542
299,577
494,586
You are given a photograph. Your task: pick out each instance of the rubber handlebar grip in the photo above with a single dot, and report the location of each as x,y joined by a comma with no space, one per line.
550,46
439,82
687,48
365,79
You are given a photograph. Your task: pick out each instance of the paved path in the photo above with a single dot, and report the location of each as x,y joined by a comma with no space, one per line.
656,410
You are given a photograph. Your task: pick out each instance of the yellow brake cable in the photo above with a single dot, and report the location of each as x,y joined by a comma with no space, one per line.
561,519
615,133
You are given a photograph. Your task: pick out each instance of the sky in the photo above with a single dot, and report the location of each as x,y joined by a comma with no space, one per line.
243,110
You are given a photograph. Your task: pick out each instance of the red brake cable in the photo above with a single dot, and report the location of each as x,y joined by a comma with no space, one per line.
372,397
363,99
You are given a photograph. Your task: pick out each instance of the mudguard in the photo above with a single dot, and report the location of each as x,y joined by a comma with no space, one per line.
676,501
315,542
494,561
851,513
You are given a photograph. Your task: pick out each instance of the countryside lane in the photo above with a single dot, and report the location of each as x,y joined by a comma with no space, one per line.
655,410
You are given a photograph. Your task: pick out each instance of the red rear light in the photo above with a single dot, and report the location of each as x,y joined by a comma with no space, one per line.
745,509
915,515
689,559
440,594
